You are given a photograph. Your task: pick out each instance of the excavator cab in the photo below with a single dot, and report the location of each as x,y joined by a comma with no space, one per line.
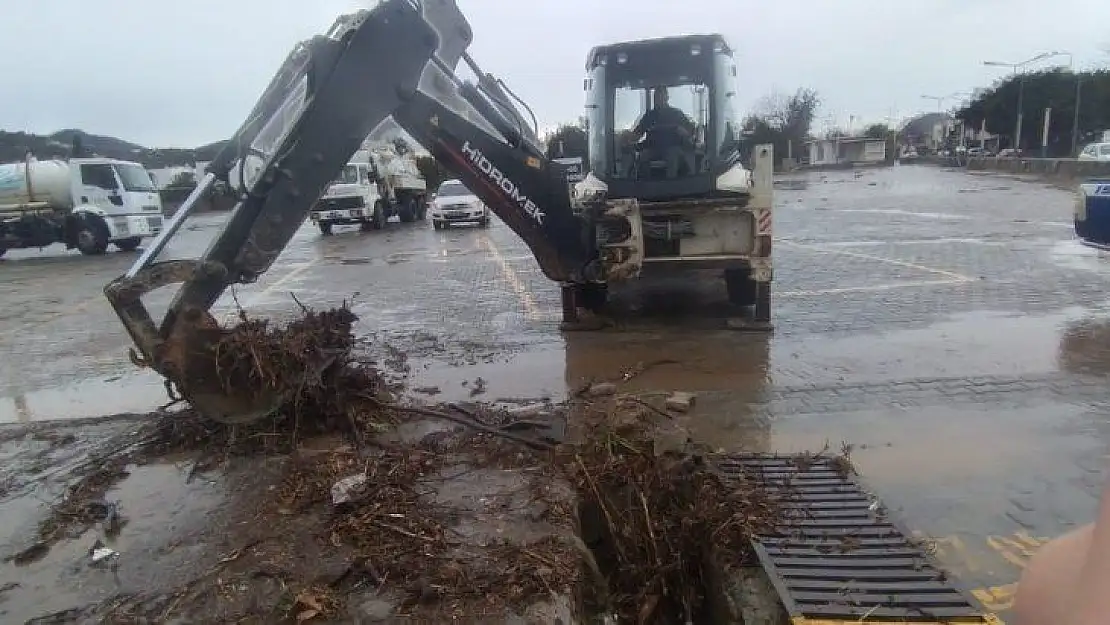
661,116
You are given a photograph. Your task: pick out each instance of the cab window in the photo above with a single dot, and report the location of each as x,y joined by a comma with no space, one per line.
99,175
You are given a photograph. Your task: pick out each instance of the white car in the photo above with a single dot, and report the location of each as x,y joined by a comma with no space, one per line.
1096,152
454,203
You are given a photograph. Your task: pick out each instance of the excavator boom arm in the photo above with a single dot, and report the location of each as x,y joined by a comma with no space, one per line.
395,61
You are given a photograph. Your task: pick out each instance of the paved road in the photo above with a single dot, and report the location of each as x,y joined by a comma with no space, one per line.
945,324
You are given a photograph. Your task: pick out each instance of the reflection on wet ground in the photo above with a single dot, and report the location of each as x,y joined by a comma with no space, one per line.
944,324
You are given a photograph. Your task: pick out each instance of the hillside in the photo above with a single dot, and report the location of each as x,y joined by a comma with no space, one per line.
14,145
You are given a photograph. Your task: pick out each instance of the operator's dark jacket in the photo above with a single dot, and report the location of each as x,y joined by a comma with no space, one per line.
663,117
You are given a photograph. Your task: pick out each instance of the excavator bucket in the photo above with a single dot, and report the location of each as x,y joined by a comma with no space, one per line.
331,93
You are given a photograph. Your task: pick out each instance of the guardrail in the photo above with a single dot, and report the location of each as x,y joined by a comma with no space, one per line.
1055,169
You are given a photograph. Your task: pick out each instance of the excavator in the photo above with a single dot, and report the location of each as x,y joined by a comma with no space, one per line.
671,195
677,199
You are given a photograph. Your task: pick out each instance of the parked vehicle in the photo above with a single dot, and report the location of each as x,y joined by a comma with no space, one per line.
84,203
352,199
376,184
454,203
1092,213
1095,152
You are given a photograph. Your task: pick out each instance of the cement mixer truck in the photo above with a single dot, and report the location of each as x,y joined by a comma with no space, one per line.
83,203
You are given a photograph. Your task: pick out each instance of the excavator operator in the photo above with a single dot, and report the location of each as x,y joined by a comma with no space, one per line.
669,133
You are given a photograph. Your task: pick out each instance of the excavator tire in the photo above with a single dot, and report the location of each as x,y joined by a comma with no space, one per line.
740,287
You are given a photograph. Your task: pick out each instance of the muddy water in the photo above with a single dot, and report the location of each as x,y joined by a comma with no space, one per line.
88,398
166,516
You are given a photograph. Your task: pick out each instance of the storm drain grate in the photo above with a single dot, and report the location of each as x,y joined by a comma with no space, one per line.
841,557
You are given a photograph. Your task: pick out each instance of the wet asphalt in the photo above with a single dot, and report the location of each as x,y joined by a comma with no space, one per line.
947,325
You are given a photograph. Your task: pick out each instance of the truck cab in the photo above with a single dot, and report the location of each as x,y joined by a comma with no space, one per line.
122,194
353,198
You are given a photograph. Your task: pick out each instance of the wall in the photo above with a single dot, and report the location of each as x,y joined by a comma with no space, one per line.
1058,170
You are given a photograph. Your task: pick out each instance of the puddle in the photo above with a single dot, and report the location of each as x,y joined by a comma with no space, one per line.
695,362
965,472
976,344
138,392
1085,347
160,539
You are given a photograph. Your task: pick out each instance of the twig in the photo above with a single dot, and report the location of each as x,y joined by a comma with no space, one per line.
402,531
468,422
601,504
638,401
650,529
304,308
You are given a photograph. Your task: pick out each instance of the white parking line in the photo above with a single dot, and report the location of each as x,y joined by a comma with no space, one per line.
872,287
899,211
880,259
941,241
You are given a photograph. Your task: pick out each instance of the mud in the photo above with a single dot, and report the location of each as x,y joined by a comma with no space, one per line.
913,306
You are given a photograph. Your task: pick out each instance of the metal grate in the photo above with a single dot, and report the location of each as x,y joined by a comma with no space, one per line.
841,557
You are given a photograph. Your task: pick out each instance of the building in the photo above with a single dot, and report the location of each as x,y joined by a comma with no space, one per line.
846,151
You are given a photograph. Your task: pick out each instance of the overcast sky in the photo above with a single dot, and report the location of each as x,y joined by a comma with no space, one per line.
185,73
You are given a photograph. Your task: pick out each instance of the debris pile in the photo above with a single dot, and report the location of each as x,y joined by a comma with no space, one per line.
304,373
651,520
658,517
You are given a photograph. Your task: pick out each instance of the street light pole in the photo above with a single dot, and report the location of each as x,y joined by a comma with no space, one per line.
939,99
1019,68
1078,100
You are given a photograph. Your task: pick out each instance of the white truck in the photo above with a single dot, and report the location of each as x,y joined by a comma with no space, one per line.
377,183
84,203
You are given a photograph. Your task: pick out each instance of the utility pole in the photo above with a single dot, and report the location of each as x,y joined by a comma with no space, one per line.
1078,100
1019,69
939,99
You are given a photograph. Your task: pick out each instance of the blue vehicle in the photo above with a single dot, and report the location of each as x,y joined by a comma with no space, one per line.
1092,213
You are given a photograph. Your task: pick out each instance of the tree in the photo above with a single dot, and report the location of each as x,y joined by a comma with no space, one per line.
876,131
1053,88
782,121
183,180
568,140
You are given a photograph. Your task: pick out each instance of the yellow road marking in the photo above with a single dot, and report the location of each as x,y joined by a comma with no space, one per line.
1016,550
881,259
996,598
531,308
